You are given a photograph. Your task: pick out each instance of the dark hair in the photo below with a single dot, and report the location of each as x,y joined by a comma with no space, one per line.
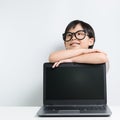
89,30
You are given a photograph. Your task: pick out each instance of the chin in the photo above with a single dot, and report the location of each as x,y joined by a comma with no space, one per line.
75,47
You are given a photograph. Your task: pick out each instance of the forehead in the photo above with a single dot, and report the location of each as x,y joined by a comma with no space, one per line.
76,28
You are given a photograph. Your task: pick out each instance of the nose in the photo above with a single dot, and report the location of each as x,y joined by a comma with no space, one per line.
73,37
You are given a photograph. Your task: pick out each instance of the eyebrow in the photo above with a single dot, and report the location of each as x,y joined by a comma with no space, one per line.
76,31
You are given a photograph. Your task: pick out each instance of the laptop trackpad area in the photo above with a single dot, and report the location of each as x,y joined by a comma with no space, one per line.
69,111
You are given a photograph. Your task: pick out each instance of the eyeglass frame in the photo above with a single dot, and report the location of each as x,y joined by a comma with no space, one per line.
74,33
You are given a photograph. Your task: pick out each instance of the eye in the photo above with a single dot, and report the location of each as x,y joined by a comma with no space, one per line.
80,33
68,34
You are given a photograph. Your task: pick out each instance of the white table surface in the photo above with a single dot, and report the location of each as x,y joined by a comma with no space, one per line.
29,113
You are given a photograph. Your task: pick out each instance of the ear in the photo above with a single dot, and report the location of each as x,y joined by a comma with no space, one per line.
91,41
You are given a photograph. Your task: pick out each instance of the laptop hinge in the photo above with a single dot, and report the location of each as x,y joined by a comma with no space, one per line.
77,105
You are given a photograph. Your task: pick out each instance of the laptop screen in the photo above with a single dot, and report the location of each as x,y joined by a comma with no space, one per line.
73,81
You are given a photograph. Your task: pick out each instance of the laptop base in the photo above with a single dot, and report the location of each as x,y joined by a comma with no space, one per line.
74,113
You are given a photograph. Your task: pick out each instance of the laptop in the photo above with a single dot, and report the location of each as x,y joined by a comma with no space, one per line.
74,89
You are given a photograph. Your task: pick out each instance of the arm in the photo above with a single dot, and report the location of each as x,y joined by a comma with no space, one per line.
67,54
64,54
92,58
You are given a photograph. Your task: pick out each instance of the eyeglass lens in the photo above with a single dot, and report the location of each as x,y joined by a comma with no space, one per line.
79,35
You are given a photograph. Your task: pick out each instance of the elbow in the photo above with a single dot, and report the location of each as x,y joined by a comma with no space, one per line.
52,59
103,58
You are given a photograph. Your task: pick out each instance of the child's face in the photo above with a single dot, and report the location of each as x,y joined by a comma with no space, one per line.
74,43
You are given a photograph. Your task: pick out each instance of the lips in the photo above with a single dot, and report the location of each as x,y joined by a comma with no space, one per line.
74,44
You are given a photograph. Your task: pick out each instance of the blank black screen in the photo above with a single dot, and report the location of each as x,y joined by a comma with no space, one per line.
74,83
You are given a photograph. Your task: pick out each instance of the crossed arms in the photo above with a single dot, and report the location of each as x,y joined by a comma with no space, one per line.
92,56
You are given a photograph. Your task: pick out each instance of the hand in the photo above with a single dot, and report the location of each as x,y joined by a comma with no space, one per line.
86,51
56,64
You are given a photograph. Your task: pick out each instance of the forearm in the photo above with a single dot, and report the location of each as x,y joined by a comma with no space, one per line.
92,58
67,54
64,54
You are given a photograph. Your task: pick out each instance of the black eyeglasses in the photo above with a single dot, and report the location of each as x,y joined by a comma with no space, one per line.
80,35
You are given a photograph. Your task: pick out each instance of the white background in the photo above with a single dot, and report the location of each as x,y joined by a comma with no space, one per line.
31,29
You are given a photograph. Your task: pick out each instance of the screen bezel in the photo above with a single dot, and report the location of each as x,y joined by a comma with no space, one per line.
74,102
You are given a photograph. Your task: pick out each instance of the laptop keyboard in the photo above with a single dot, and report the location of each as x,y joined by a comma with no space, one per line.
84,108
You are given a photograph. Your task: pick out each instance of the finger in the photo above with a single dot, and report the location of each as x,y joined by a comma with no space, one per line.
58,63
92,50
101,52
96,50
54,65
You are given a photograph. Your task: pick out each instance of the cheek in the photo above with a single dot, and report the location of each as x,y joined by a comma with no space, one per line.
67,45
84,44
